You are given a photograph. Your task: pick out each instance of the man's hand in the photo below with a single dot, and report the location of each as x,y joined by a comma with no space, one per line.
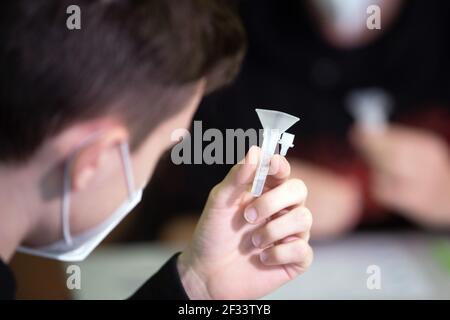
410,171
246,247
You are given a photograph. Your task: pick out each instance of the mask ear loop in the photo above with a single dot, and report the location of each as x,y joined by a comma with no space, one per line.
65,205
127,168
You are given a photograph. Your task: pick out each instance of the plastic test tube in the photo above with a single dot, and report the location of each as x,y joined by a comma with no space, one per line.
270,141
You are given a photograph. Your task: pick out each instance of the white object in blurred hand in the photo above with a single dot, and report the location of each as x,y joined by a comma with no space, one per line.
274,123
370,108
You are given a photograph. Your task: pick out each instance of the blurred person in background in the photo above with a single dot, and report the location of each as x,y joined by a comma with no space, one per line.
307,58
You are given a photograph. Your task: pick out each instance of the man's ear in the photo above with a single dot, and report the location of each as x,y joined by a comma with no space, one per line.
91,156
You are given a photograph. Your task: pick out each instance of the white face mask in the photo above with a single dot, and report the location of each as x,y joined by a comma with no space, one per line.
78,247
348,17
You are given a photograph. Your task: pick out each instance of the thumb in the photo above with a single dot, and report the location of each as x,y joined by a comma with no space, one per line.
237,182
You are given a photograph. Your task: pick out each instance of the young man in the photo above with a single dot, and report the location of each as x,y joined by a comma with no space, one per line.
73,105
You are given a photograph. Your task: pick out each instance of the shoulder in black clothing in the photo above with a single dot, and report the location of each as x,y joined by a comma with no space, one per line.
164,285
7,282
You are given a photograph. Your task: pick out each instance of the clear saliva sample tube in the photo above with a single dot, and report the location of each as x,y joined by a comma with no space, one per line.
274,123
270,141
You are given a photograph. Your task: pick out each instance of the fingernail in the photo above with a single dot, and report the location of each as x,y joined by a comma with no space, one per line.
250,214
256,239
263,256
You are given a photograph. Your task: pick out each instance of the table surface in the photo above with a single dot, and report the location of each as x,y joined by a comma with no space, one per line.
411,265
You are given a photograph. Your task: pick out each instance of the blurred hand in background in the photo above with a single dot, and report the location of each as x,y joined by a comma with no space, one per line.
410,171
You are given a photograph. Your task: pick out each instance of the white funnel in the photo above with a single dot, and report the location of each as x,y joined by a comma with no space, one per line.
274,123
271,119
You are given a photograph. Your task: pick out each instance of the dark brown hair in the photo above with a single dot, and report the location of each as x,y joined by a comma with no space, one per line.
136,59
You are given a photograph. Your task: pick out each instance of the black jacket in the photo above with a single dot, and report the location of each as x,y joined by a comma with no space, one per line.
164,285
